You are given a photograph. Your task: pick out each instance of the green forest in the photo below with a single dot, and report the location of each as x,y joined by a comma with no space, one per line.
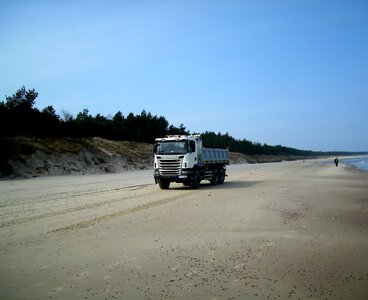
20,117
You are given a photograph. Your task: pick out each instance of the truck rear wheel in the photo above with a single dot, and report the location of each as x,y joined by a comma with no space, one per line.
221,178
196,180
164,184
215,177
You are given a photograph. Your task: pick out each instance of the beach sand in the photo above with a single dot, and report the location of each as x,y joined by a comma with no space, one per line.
288,230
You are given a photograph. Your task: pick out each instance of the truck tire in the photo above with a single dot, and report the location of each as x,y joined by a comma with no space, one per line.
196,180
164,184
215,177
221,177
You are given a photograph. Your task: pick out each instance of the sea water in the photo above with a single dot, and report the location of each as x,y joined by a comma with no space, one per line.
358,162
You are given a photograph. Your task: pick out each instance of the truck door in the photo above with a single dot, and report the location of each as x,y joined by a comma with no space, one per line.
192,154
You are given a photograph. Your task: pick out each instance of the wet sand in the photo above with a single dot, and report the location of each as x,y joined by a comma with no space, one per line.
288,230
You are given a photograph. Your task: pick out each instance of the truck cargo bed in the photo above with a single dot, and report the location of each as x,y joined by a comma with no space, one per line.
212,155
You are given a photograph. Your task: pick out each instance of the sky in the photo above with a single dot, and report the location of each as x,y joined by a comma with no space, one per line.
293,73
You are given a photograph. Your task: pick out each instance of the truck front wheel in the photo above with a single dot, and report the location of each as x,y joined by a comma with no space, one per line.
196,180
164,184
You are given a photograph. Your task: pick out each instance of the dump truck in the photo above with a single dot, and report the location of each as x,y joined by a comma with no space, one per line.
183,159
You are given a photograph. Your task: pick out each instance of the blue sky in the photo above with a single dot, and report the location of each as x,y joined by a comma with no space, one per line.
278,72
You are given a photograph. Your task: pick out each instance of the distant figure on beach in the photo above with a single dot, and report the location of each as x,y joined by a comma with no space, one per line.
336,161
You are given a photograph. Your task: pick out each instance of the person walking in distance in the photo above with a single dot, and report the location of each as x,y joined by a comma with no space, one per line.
336,161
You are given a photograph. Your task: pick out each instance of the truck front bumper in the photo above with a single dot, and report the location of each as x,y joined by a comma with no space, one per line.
185,175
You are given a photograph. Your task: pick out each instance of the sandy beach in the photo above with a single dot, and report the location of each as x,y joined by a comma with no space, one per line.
291,230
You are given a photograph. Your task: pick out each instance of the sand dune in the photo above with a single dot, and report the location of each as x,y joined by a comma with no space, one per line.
289,230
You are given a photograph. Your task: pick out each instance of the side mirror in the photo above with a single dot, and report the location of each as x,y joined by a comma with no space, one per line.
155,146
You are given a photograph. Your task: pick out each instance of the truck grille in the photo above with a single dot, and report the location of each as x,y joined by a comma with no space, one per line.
170,167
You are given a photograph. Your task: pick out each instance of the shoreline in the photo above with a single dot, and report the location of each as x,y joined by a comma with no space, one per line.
357,162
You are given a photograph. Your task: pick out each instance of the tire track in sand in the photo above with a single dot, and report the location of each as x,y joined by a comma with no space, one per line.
64,195
78,208
119,213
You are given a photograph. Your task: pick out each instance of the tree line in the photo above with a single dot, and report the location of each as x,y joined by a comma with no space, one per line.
19,116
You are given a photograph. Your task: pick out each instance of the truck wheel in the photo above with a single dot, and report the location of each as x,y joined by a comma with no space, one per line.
215,177
196,180
221,178
164,184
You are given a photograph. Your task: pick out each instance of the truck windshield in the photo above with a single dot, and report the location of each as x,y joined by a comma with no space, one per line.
174,147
